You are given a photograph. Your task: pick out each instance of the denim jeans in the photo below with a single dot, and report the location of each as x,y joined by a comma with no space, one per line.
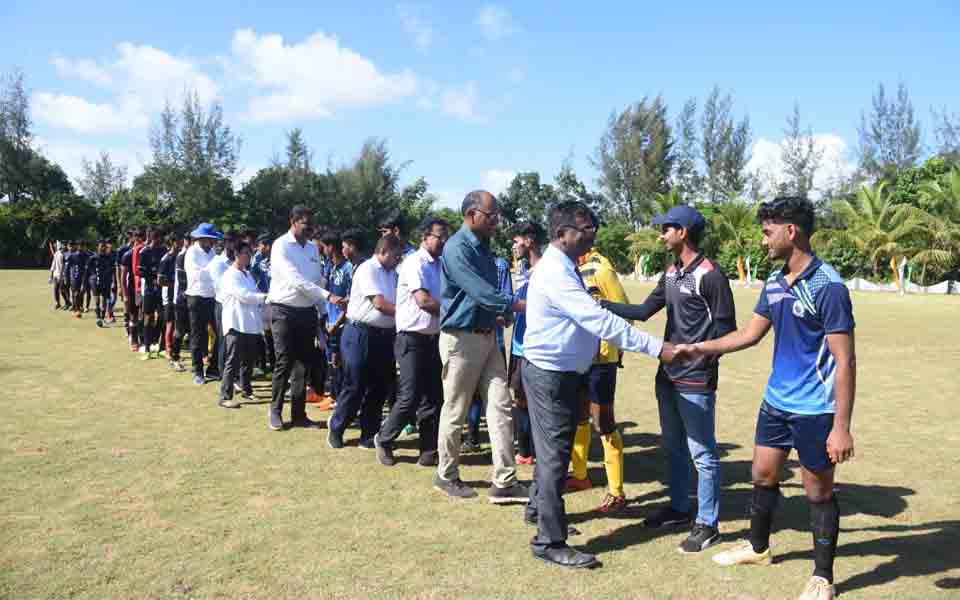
688,423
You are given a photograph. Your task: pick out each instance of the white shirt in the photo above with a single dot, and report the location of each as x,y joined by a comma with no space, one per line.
215,269
295,273
564,324
56,267
198,279
241,302
371,279
419,271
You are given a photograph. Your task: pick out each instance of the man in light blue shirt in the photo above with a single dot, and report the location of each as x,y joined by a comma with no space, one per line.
564,326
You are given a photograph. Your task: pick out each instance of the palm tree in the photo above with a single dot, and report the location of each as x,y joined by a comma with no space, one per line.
882,231
736,223
943,197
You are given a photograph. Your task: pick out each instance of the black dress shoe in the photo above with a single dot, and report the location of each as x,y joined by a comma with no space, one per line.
565,556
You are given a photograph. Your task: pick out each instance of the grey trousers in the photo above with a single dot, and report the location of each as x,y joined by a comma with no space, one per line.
471,363
553,399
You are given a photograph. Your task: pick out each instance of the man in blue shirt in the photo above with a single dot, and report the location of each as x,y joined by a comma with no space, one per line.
808,403
471,306
339,281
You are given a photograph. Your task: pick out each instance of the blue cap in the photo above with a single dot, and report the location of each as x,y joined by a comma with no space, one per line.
685,216
206,230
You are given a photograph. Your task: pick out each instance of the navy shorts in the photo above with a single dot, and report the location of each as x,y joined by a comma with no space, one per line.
601,383
152,301
807,433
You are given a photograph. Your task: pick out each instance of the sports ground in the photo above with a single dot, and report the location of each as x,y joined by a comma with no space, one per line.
120,479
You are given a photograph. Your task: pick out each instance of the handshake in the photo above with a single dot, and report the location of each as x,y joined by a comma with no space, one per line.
679,353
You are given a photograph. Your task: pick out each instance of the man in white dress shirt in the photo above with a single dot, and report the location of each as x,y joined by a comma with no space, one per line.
242,320
564,326
294,292
369,368
200,293
417,349
217,267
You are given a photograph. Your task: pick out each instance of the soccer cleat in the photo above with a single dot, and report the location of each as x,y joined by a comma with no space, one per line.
176,366
701,538
198,380
231,403
612,504
99,322
818,588
470,447
275,421
742,554
384,453
577,485
147,356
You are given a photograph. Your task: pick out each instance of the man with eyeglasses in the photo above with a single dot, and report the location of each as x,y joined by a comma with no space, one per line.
470,358
294,292
419,388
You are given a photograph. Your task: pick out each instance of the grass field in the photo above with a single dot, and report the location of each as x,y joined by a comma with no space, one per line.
120,479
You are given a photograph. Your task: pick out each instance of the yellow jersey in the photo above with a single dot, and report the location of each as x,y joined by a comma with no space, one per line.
603,283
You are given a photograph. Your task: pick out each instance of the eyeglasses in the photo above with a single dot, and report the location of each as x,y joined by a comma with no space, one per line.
491,215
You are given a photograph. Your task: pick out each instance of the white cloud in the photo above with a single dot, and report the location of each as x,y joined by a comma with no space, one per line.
835,164
141,79
461,102
71,112
495,22
496,181
415,25
313,78
70,154
83,69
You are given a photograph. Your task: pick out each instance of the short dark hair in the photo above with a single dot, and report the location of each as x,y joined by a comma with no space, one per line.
242,245
426,225
331,238
393,220
172,239
265,238
563,216
529,229
388,242
353,236
300,212
795,210
471,201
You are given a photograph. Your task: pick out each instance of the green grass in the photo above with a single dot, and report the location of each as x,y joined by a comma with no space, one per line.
119,479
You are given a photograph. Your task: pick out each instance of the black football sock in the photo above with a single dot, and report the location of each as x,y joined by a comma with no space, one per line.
762,505
825,524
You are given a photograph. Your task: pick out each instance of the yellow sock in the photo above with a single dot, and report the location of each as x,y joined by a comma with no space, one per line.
581,446
613,461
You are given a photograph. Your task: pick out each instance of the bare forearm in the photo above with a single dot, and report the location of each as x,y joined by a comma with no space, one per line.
845,386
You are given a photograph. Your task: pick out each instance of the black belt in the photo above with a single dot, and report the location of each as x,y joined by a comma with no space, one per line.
428,336
373,329
477,330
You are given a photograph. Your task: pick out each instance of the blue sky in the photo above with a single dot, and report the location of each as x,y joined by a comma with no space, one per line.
470,93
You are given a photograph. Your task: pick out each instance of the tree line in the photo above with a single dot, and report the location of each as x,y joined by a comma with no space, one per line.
902,200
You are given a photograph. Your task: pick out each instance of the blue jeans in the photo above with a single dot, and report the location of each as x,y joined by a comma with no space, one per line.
688,423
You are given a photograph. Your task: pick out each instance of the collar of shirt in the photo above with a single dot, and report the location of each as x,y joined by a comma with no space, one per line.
811,268
681,271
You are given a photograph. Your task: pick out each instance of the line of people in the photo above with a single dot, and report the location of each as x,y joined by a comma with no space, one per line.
421,330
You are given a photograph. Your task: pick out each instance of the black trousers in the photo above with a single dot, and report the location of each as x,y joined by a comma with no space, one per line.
294,340
240,350
201,311
220,349
180,328
419,390
369,374
553,402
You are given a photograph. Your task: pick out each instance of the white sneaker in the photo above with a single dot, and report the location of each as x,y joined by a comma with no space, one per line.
818,588
742,554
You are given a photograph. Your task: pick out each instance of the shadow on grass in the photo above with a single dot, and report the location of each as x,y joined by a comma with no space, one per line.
930,550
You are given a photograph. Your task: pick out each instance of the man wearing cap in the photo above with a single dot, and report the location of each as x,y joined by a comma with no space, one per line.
200,293
294,292
700,307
